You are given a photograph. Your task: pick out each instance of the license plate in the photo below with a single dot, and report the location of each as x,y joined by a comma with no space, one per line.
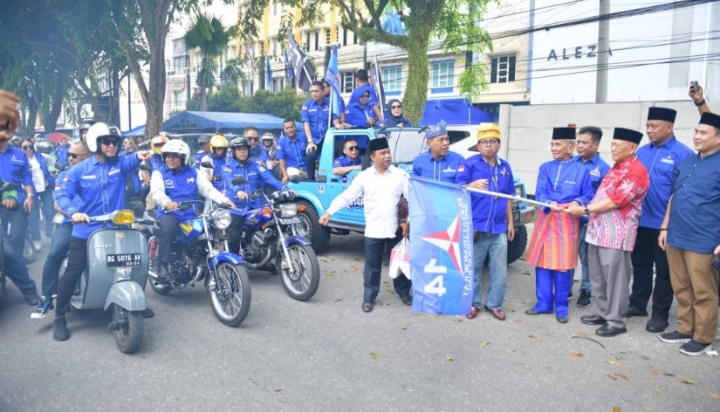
123,259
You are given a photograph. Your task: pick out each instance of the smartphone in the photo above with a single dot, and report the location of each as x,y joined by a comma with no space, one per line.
694,85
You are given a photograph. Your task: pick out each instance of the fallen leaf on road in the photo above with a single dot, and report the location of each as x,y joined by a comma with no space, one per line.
484,344
392,292
358,259
330,273
656,372
611,377
458,320
713,394
660,389
388,304
450,358
276,390
622,375
616,409
516,320
581,334
574,355
337,300
332,260
613,362
403,326
533,337
687,381
527,272
511,310
509,350
353,267
417,315
668,374
373,355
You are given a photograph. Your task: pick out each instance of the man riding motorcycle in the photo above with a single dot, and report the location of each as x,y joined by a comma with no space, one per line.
218,157
100,183
257,176
175,183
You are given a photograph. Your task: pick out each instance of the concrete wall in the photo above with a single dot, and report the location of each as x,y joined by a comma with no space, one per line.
526,130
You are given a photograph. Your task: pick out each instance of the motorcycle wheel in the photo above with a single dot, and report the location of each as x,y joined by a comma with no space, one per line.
129,336
157,286
303,283
230,297
29,253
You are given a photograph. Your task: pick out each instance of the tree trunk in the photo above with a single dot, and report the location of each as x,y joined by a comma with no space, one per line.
50,121
202,97
32,117
418,75
156,90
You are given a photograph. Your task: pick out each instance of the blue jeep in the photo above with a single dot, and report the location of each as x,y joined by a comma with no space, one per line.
405,144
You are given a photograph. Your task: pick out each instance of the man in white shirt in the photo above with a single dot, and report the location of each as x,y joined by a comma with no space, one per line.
381,187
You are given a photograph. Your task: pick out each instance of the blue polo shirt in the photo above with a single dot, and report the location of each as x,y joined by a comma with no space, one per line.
14,168
489,213
694,215
444,169
292,151
345,161
660,161
317,115
597,168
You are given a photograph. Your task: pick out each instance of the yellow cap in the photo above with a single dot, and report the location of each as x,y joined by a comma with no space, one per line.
488,131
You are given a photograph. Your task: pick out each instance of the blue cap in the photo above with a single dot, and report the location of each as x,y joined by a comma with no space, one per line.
439,129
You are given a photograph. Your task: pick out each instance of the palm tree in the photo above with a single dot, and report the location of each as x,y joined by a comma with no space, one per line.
232,72
210,37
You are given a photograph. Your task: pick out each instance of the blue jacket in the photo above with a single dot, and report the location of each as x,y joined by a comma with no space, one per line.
358,115
355,96
317,115
180,186
257,176
100,186
259,155
62,154
14,168
58,182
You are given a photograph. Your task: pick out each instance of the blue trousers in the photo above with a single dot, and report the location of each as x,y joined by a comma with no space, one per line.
43,200
58,251
552,288
16,271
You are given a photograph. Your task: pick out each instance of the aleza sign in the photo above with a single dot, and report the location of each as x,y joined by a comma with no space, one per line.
578,52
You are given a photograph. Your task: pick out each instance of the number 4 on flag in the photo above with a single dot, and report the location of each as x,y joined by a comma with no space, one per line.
435,286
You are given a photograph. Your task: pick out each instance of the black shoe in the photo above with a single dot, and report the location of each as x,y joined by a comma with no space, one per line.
148,313
569,294
406,299
60,331
656,324
164,273
532,311
562,319
635,312
584,299
608,331
272,269
31,297
695,348
367,307
675,337
593,320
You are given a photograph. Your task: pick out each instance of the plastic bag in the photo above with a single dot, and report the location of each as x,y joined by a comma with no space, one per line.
400,259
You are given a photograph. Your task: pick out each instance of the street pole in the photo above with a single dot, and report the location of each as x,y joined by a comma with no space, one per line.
601,84
129,103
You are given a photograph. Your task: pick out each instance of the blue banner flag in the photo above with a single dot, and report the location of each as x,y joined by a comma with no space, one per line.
441,247
378,85
268,74
288,68
332,76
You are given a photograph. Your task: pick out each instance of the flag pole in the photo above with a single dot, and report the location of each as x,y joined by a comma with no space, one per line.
377,86
510,197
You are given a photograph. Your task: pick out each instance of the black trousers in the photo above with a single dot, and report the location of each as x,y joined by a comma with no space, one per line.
310,159
234,233
18,220
374,251
77,261
168,229
647,253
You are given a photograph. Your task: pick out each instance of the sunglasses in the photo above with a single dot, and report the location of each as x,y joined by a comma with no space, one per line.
75,156
352,148
396,107
109,142
26,147
204,144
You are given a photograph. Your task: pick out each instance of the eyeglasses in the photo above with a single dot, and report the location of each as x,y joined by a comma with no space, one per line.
109,142
75,156
488,142
26,147
253,139
352,148
396,107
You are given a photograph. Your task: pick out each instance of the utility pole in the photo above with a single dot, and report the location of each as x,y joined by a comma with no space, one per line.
601,82
129,103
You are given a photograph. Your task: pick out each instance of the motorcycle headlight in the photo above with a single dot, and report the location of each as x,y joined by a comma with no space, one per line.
221,219
288,209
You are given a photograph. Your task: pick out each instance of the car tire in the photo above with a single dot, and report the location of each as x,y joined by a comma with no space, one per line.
516,248
318,235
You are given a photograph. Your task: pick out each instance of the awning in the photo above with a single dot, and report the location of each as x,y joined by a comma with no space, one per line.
211,122
453,111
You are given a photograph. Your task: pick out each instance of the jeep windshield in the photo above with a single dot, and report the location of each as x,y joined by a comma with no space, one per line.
405,143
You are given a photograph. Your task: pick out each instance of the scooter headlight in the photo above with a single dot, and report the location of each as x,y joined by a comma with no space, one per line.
288,209
221,219
124,217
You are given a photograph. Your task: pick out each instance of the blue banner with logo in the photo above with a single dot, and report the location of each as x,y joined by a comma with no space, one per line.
333,78
441,247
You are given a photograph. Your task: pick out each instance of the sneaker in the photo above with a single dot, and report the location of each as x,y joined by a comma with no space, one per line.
656,324
41,310
675,337
38,244
31,297
584,299
694,348
60,331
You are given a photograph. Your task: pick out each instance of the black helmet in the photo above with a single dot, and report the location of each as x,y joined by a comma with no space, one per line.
85,126
240,141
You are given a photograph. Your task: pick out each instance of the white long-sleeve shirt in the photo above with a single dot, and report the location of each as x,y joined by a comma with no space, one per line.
381,193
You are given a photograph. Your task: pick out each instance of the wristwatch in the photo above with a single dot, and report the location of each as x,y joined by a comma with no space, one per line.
587,211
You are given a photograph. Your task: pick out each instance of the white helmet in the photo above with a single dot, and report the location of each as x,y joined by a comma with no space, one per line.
178,147
100,130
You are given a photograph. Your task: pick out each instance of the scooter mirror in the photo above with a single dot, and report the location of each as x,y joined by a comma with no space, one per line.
208,165
239,180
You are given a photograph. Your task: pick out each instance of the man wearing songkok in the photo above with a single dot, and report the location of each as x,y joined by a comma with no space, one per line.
611,232
438,163
689,234
660,157
553,248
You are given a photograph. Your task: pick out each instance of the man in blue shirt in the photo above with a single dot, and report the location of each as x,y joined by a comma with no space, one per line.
100,184
14,168
492,217
438,162
257,151
588,143
350,161
690,234
62,151
291,150
660,157
315,115
204,143
362,85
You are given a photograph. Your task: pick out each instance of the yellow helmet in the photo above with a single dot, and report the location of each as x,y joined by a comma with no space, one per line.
218,141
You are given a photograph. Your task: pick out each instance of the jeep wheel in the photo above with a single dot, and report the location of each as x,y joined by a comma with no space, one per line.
516,248
311,229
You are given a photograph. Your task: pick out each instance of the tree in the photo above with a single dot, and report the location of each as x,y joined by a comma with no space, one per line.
233,72
454,21
285,103
211,39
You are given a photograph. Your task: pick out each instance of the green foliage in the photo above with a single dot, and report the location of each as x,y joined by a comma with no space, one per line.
285,103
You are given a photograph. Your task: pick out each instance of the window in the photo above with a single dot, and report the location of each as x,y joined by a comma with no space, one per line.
348,82
345,36
307,41
355,41
327,37
502,69
278,84
317,40
442,76
392,78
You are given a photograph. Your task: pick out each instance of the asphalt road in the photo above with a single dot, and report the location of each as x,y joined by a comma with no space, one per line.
327,355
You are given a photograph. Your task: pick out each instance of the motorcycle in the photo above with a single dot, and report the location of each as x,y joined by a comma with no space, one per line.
115,276
199,252
269,233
